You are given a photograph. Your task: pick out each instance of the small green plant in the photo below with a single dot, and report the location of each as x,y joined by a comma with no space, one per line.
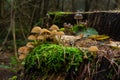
77,28
13,78
14,61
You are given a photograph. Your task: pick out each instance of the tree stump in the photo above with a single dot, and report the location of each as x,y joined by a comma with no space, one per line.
105,22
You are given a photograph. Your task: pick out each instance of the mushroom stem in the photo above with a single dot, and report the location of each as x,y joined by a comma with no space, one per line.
35,42
77,22
45,37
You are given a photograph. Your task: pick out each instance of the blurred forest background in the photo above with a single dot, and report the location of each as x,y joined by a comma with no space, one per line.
17,17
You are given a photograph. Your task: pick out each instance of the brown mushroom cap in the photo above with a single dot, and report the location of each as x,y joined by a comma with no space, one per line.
60,33
54,32
22,56
78,16
40,37
24,50
30,45
32,37
54,27
93,49
36,29
65,24
45,31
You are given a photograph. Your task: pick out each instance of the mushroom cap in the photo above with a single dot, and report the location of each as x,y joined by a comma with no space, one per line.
93,49
36,29
65,24
24,50
60,33
54,32
30,45
45,31
40,37
22,56
31,37
78,16
54,27
70,25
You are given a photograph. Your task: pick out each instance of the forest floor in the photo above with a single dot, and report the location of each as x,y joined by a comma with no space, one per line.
6,70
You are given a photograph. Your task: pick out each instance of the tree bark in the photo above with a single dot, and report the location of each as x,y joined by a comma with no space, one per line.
2,8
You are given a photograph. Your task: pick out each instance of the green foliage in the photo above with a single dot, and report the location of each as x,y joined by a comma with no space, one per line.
13,78
88,32
13,61
4,66
39,22
52,57
58,13
77,28
62,29
58,17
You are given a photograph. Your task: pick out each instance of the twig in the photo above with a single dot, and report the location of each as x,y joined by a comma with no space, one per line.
12,24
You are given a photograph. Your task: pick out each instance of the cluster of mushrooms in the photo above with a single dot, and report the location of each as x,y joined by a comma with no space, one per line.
79,17
38,36
52,35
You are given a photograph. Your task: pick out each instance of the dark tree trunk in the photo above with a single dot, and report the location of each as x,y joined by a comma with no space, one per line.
116,3
108,3
57,4
87,5
1,8
46,4
73,5
62,5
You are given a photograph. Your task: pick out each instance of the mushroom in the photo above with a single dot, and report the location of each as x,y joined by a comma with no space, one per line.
70,26
31,37
36,29
54,27
22,56
30,45
78,17
46,33
93,49
65,25
24,50
54,32
41,38
60,33
52,35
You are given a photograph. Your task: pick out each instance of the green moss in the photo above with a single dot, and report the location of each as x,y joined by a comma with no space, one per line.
59,13
59,17
51,57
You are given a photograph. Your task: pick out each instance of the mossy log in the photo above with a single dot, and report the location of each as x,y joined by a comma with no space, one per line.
105,22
